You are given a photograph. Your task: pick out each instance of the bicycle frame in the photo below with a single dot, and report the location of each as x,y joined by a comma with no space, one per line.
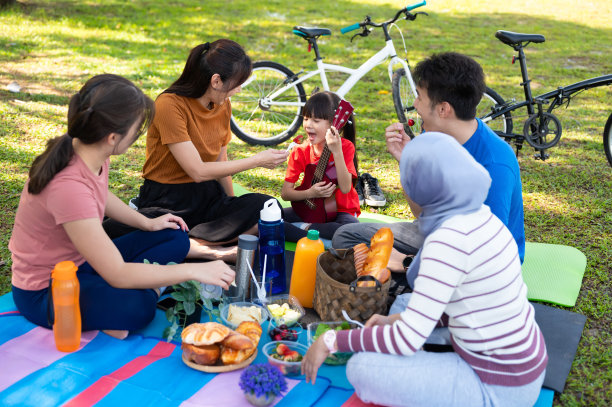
354,74
558,96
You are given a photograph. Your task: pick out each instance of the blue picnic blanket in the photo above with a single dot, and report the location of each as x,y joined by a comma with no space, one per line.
140,370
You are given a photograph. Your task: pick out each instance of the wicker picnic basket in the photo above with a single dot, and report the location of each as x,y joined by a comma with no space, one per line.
336,290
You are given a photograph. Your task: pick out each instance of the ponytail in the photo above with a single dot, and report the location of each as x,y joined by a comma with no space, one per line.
105,104
55,158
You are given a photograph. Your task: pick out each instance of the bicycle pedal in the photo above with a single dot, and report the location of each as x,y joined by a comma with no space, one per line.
540,156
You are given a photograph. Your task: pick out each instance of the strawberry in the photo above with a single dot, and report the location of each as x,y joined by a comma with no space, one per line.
282,349
292,356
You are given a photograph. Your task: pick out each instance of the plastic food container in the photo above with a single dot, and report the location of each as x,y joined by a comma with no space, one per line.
294,305
225,310
286,368
338,358
287,333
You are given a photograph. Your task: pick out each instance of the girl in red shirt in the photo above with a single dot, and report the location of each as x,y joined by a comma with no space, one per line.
342,166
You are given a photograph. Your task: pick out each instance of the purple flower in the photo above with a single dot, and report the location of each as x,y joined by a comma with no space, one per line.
263,379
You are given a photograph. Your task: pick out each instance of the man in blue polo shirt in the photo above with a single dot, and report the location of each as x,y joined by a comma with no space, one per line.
449,87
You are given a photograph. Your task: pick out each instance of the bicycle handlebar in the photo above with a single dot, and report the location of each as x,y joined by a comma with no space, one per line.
367,21
408,8
350,28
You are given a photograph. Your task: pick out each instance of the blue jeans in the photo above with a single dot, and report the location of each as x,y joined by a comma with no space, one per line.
106,307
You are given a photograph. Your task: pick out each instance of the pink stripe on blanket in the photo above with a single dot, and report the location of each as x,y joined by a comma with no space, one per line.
355,401
30,352
223,390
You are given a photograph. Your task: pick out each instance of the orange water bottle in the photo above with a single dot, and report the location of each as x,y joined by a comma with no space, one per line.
304,270
67,321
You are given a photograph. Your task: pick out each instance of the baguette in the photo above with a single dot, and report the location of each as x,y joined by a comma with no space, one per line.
360,253
377,260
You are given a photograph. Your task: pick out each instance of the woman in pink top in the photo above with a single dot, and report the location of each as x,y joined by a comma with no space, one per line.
60,217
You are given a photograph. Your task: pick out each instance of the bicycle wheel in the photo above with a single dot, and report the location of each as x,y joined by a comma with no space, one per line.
499,124
259,120
607,139
403,100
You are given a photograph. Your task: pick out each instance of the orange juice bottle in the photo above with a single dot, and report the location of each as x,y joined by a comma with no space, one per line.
304,269
67,321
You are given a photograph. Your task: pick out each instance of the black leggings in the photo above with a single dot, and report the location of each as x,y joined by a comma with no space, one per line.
209,212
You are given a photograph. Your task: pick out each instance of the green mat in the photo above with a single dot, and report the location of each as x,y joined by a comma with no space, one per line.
553,273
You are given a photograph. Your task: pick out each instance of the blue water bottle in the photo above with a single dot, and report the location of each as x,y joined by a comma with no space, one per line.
272,246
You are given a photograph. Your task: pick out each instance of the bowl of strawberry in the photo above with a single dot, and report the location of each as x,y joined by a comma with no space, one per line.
285,355
283,332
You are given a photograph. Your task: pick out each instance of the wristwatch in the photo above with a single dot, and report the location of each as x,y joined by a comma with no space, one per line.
329,337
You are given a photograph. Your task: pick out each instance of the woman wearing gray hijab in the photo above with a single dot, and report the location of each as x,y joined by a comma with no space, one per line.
469,279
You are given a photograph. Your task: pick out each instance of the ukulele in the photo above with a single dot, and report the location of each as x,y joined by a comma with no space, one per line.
322,210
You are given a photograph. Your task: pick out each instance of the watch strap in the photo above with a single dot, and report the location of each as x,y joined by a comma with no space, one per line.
329,337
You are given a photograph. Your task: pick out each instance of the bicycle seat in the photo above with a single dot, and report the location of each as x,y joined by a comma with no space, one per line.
510,38
310,32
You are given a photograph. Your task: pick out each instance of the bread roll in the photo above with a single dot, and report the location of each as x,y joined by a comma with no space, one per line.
251,329
233,357
237,341
207,333
202,355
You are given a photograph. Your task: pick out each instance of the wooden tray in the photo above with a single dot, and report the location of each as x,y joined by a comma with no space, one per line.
219,368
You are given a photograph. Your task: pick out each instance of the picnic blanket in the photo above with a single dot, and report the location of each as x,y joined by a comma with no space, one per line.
143,369
140,370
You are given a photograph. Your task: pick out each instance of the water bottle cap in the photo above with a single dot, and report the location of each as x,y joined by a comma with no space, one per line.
271,211
313,234
64,270
248,242
210,291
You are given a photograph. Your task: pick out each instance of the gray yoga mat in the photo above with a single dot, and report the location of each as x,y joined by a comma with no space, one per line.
562,331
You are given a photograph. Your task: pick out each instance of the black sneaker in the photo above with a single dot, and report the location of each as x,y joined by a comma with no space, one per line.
374,196
359,189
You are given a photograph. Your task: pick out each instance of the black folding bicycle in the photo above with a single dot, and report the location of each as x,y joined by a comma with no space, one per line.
541,129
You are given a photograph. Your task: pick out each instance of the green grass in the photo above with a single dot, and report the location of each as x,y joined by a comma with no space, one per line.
50,48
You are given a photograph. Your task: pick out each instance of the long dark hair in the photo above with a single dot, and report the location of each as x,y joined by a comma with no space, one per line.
224,57
323,105
105,104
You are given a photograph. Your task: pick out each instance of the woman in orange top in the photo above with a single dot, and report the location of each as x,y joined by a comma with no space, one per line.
187,171
318,117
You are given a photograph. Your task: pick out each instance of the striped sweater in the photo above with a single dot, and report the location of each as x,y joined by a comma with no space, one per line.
469,279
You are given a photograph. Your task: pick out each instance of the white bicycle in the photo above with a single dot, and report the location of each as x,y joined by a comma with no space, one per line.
268,111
